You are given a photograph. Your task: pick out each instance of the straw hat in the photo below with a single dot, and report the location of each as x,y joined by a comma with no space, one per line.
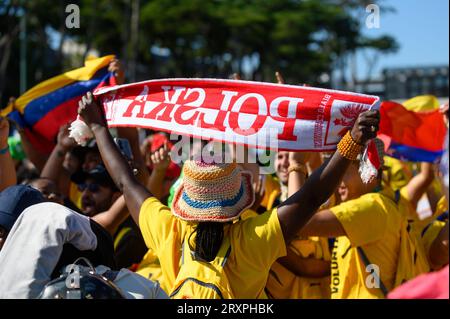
212,192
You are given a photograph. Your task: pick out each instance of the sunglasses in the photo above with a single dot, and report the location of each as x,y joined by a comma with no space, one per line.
93,188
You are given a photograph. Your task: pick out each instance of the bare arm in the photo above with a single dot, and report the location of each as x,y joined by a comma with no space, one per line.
161,160
323,224
114,216
131,134
305,267
34,156
419,184
37,158
434,196
53,168
7,168
297,178
134,192
314,161
296,211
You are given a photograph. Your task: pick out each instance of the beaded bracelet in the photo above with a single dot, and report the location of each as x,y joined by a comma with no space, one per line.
348,148
298,168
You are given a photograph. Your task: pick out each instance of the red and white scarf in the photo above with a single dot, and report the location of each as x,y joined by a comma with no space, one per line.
257,114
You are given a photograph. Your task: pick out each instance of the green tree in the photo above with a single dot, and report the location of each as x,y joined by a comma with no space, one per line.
302,39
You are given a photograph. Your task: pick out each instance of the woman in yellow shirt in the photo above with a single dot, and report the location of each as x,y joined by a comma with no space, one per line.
211,195
368,226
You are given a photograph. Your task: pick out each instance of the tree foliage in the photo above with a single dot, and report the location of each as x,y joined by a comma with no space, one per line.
303,39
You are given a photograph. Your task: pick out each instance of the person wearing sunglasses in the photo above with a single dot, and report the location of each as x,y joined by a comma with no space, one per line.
102,201
98,191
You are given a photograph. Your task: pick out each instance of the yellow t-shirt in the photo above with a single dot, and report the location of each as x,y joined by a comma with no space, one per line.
417,224
372,222
271,191
284,284
441,206
397,173
431,234
255,244
151,268
434,227
75,194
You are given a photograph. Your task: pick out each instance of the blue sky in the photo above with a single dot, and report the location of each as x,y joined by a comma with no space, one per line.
421,27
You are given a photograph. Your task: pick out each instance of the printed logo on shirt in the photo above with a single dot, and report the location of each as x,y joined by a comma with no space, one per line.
335,280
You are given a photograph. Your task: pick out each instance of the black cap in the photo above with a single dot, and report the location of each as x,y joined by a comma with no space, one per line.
99,174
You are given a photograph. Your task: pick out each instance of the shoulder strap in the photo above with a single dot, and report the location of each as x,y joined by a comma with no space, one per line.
397,196
367,263
331,242
120,236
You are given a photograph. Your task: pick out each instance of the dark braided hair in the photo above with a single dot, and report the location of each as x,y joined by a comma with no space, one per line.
209,236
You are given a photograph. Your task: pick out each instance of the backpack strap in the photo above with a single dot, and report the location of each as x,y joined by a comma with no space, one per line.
397,196
366,260
331,242
367,263
443,217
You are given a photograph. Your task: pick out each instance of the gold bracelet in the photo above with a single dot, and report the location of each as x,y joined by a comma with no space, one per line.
298,168
348,148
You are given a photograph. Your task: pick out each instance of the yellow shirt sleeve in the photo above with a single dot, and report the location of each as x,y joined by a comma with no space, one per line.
272,191
156,223
259,240
431,234
363,220
404,193
441,207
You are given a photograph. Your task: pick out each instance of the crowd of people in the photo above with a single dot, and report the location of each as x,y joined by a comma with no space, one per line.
118,219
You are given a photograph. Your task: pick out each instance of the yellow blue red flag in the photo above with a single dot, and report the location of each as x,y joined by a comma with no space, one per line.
44,108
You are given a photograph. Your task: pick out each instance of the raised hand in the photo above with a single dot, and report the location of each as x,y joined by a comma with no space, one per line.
299,158
116,67
64,141
161,158
91,112
280,79
366,127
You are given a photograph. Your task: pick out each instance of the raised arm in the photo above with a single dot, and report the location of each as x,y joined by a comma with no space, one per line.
7,168
134,192
419,184
53,168
296,211
324,223
114,216
161,160
132,135
297,171
36,157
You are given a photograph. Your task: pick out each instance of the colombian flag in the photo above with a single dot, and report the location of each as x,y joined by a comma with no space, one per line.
411,136
43,109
